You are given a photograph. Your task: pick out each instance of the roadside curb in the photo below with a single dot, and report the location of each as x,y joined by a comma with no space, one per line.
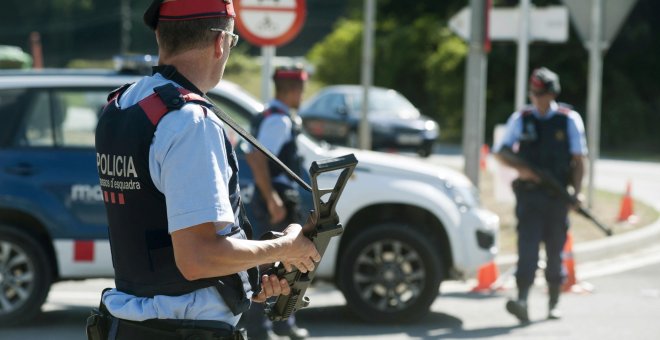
602,248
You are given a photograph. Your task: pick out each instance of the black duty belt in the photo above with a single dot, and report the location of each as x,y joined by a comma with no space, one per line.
525,185
174,329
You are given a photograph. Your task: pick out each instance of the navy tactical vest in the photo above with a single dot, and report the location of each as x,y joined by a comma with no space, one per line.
544,143
142,251
289,152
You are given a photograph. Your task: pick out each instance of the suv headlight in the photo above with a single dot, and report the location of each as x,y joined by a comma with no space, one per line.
465,197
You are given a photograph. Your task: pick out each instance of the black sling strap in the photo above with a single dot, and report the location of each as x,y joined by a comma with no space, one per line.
229,121
170,72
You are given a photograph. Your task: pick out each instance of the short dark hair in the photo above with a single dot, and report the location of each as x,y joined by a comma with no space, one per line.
286,85
183,35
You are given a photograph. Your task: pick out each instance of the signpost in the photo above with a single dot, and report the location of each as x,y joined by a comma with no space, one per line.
545,23
269,23
523,24
597,23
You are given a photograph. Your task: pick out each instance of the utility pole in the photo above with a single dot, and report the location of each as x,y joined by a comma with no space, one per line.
475,90
523,55
594,92
125,15
367,71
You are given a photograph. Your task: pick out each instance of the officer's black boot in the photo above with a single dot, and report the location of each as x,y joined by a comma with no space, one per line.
519,307
553,291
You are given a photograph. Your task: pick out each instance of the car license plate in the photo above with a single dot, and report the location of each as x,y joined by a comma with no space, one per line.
408,139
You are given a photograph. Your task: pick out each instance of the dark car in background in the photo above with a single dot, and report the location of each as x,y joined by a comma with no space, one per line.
334,114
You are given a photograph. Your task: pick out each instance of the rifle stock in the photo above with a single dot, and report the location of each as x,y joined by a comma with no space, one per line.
553,185
326,226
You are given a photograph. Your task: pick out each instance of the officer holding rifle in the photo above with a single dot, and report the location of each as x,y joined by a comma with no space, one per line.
548,136
184,264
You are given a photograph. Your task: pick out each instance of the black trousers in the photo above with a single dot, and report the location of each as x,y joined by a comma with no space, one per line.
254,319
542,217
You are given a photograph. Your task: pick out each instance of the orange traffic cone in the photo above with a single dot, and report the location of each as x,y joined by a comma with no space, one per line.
572,284
569,263
626,211
486,277
485,150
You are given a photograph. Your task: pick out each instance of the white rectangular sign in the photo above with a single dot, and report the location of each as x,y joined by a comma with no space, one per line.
546,24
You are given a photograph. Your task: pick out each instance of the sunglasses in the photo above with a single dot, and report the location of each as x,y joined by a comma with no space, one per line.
234,37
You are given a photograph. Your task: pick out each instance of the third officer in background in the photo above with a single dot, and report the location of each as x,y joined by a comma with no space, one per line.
276,201
549,136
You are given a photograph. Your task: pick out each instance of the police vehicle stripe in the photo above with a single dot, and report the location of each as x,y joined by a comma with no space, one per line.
83,258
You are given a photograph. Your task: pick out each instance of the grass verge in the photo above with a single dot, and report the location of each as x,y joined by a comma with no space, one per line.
606,210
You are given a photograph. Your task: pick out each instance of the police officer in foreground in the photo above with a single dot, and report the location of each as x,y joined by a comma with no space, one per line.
184,266
276,202
549,136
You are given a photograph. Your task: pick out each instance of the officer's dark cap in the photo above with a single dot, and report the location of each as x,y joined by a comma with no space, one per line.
544,80
173,10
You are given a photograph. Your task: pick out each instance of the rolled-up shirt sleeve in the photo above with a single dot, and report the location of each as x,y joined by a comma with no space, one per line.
512,132
576,136
188,164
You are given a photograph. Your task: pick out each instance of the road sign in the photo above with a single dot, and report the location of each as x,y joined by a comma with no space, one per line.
614,13
546,23
269,22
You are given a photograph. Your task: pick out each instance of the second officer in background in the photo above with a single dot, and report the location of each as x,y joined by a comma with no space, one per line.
276,201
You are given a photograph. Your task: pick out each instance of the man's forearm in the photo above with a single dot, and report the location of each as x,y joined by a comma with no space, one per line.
577,173
201,253
259,165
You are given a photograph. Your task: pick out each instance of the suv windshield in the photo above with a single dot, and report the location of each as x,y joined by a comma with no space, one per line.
385,102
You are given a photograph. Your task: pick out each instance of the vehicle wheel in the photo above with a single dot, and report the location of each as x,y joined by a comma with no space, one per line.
25,277
425,150
390,273
352,140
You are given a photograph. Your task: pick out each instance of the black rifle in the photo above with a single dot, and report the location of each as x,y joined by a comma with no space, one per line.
553,185
326,225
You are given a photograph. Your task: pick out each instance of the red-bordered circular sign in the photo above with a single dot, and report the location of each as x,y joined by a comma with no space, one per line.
269,22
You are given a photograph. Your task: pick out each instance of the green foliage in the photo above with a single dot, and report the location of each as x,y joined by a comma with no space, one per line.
337,58
87,63
445,83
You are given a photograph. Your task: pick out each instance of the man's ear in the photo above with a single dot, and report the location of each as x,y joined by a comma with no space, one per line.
218,45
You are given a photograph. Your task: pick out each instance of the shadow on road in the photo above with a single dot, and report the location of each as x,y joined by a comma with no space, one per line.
337,321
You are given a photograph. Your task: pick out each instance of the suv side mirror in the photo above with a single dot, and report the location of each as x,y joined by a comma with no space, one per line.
342,110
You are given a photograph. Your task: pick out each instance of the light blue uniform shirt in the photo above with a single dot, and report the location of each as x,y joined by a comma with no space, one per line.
576,139
274,132
188,164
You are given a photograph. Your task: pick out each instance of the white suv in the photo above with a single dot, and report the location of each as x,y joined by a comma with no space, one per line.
408,224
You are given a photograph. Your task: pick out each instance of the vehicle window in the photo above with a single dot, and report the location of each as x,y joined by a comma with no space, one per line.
387,102
328,105
76,114
12,106
241,116
38,128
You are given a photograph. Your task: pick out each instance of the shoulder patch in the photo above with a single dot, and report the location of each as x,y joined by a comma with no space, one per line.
526,111
564,110
155,108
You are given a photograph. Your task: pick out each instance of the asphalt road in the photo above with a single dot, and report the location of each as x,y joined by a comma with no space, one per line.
624,304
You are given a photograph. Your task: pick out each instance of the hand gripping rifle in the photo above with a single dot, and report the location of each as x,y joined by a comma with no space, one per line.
326,226
551,184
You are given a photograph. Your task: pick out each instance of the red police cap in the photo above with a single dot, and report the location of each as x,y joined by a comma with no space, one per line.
296,73
544,80
172,10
